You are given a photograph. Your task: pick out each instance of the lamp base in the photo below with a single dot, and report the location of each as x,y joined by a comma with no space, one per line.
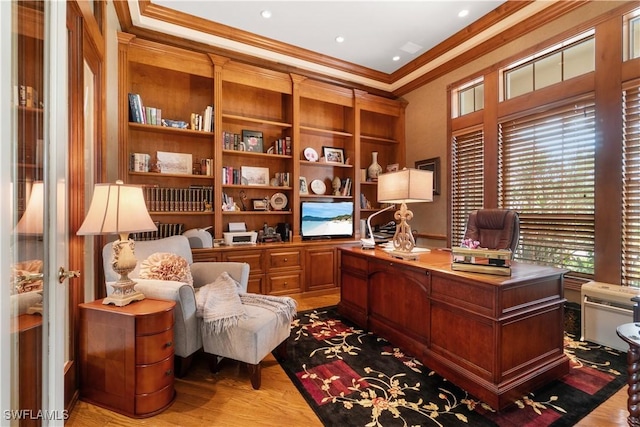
35,309
407,256
123,294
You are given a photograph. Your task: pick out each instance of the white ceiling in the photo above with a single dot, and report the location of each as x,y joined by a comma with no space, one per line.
374,31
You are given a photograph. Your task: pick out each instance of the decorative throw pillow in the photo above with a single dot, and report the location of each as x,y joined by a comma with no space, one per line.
166,266
219,304
24,269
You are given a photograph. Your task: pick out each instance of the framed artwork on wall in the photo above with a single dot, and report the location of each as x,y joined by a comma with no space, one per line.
433,165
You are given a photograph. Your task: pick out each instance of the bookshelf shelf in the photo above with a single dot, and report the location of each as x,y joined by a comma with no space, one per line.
170,130
242,119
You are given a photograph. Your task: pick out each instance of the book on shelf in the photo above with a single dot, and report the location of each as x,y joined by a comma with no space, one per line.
283,179
134,110
139,162
282,146
164,230
204,121
172,199
346,187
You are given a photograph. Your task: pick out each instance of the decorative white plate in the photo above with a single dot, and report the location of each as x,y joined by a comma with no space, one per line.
310,154
279,201
318,186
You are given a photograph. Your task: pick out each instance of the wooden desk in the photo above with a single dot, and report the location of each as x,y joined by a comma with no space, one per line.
497,337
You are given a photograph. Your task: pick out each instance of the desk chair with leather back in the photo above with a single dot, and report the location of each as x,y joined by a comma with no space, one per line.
494,228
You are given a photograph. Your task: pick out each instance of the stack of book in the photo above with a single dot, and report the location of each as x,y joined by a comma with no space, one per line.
167,199
138,113
490,261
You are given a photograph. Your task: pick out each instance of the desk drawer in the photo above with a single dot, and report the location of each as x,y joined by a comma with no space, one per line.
153,348
149,403
280,259
154,323
284,283
251,257
151,378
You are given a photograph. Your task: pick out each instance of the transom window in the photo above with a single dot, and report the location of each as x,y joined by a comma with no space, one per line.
468,98
558,63
632,35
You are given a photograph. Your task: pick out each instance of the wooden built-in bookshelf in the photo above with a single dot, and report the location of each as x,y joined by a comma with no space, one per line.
304,111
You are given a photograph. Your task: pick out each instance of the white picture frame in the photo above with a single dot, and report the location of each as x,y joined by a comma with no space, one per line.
304,187
252,175
174,163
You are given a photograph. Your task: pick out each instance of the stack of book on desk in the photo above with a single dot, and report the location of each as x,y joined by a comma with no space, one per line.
491,261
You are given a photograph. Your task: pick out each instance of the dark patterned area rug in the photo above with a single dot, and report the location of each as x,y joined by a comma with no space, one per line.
351,377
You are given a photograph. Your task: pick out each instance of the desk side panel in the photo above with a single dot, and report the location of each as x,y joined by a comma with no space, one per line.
399,306
353,288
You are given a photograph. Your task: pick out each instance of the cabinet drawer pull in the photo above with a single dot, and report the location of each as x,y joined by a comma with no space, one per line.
286,259
169,372
168,344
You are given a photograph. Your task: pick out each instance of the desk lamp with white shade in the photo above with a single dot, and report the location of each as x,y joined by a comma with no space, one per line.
119,209
402,187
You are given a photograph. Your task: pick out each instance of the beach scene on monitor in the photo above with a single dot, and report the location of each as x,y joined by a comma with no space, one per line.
327,219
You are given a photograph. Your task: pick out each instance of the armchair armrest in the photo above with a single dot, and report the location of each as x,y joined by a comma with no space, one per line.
207,272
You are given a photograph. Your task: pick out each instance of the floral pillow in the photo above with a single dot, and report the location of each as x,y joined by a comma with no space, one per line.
24,269
166,266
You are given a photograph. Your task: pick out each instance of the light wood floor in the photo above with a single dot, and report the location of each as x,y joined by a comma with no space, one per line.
227,399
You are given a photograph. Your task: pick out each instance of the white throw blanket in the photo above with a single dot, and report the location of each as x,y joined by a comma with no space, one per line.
284,307
221,306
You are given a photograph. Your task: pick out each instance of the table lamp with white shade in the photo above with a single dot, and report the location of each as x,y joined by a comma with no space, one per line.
31,225
402,187
119,209
31,222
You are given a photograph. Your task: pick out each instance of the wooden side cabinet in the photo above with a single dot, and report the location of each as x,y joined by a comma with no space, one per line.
29,330
126,356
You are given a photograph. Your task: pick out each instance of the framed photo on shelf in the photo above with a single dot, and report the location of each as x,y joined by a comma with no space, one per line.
176,163
393,167
304,188
433,165
333,155
252,141
259,204
255,175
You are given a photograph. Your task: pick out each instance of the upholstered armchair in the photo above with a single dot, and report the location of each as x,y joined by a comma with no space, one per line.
494,228
187,334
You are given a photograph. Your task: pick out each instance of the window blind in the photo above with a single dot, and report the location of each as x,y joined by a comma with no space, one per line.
546,173
467,180
631,185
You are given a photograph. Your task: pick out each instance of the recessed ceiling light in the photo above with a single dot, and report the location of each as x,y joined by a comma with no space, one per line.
266,14
339,39
463,13
396,58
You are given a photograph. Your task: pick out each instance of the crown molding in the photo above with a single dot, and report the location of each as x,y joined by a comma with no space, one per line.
510,20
